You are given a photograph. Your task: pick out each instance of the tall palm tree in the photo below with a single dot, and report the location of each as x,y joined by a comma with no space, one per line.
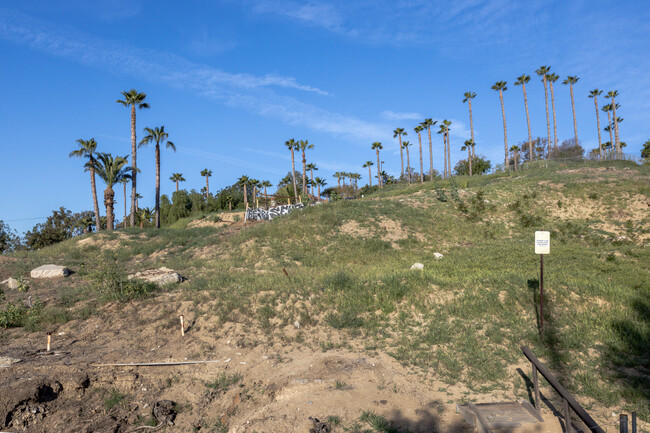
311,167
292,145
447,124
515,152
406,146
368,164
255,184
229,200
266,184
542,71
303,145
111,171
594,94
134,99
320,182
377,147
441,130
419,129
124,181
177,177
468,146
87,149
157,135
428,123
243,182
552,78
522,80
338,175
468,98
206,173
571,80
398,132
609,128
500,86
613,94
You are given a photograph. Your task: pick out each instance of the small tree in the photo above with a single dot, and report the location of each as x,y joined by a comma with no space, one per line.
480,165
9,240
645,152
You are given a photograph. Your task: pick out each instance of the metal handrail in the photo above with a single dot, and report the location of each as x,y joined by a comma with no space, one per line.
569,401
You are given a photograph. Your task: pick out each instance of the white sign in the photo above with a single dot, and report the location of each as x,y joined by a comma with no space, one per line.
542,242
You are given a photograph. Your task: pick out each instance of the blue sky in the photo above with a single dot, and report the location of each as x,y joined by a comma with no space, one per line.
233,80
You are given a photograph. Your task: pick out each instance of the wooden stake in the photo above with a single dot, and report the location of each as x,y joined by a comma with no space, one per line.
182,326
49,340
288,201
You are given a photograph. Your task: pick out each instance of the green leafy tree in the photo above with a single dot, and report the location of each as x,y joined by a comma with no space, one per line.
500,86
87,149
177,177
645,152
399,132
111,171
480,166
522,80
134,99
542,71
9,240
158,136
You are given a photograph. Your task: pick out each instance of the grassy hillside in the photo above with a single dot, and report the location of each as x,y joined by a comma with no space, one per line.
460,320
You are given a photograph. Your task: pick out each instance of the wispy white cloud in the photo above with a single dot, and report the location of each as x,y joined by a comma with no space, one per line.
203,43
392,115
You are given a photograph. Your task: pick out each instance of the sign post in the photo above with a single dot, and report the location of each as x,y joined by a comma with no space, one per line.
542,247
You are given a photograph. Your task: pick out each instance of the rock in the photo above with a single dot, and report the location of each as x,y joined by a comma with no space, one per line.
11,283
296,324
164,412
319,426
160,276
438,256
50,271
417,266
5,360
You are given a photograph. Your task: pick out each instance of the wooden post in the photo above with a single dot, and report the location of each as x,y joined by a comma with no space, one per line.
49,340
567,417
182,326
538,405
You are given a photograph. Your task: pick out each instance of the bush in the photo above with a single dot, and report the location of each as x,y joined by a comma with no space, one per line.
112,284
480,165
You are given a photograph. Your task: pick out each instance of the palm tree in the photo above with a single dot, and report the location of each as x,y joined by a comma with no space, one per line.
303,145
255,184
419,129
338,176
355,177
377,146
157,135
613,94
594,94
542,71
515,150
468,146
311,167
441,130
145,214
124,181
468,98
243,182
398,132
133,98
406,146
552,78
320,182
428,123
229,200
368,164
500,86
522,80
111,171
266,184
571,80
177,177
444,130
292,145
86,150
206,173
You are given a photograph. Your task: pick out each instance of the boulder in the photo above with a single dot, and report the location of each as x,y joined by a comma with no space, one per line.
438,256
50,271
160,276
11,283
417,266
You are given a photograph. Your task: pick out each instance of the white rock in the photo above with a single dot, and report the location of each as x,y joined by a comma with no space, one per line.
50,271
417,266
6,361
11,283
438,256
160,276
296,324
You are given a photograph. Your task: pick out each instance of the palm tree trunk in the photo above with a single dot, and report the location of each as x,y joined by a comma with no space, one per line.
124,204
554,118
158,185
408,165
401,153
421,166
530,137
266,198
134,165
618,142
95,203
469,158
379,180
600,146
516,154
369,178
548,120
505,131
293,174
430,154
245,198
444,154
471,122
304,173
207,188
339,181
312,181
611,128
573,107
319,191
108,202
448,154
